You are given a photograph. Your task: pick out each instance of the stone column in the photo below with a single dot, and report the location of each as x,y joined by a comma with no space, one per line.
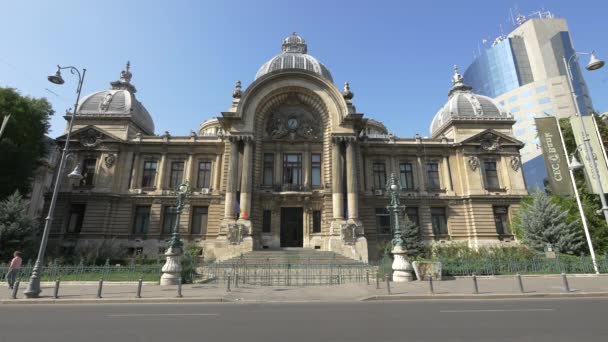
246,176
421,174
351,181
231,181
136,171
217,173
446,171
336,165
161,171
188,168
306,168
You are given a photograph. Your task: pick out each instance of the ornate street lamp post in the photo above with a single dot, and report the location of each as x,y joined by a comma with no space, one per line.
172,269
33,289
402,269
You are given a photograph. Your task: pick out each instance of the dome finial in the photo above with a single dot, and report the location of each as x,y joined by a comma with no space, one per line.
294,44
125,75
457,78
458,82
347,93
124,82
237,93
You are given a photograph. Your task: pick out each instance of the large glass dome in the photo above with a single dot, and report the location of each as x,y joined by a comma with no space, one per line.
294,55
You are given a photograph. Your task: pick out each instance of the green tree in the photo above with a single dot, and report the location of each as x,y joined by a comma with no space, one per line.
22,144
545,221
411,237
17,229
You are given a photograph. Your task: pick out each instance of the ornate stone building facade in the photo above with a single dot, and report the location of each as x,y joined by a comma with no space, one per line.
290,164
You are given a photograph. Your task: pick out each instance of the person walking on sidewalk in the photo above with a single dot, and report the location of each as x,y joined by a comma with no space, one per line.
13,269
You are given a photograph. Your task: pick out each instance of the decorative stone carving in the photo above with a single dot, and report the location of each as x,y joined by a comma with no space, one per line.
291,122
90,138
515,163
235,233
490,142
349,233
473,163
104,105
110,159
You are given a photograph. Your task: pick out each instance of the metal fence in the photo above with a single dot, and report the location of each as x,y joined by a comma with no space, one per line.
304,273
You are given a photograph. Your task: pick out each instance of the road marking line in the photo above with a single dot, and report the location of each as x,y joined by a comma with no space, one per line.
497,310
163,314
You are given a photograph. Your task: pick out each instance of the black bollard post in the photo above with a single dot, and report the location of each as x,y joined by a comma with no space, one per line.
566,285
367,276
100,288
388,284
431,288
377,280
139,284
56,292
475,286
236,280
15,289
228,284
179,287
520,283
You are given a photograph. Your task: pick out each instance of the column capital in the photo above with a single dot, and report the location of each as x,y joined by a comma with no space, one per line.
343,138
247,138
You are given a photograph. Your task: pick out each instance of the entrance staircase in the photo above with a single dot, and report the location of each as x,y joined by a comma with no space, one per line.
294,256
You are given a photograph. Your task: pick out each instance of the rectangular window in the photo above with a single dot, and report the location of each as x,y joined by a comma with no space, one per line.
432,171
513,98
76,218
544,100
177,174
541,89
315,162
316,221
515,109
149,176
292,169
199,220
142,219
501,218
266,221
379,174
204,175
88,171
489,167
383,221
268,169
529,104
169,218
526,93
412,215
406,173
439,221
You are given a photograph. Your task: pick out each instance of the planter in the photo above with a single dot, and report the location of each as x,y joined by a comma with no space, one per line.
424,269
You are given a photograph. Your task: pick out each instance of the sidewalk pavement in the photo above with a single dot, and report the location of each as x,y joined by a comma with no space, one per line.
454,288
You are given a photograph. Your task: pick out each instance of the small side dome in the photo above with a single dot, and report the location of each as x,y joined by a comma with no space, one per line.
294,56
211,127
463,104
118,102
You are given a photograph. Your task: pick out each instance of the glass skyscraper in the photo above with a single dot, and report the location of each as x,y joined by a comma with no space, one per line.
525,73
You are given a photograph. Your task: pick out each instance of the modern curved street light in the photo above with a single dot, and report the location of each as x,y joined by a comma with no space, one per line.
33,290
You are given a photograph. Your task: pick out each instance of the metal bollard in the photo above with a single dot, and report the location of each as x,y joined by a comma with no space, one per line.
377,280
367,276
566,285
139,284
228,284
179,287
520,283
431,288
475,286
15,289
388,284
236,280
100,288
56,291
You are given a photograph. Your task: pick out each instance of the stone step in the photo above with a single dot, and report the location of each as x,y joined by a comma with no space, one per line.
298,256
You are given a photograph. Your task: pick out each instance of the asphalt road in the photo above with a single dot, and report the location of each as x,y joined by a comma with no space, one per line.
475,320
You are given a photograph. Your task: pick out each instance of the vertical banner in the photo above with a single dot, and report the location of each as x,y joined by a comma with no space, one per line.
556,161
597,151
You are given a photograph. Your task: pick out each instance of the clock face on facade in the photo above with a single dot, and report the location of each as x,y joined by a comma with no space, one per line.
292,123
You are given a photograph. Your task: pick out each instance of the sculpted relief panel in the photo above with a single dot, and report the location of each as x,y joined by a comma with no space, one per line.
293,122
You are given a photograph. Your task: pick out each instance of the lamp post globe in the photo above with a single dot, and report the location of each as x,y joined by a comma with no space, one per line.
56,79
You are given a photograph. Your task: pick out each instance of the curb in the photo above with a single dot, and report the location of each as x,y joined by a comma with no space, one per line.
113,301
486,296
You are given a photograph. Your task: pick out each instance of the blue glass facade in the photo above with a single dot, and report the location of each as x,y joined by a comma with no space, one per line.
562,43
494,72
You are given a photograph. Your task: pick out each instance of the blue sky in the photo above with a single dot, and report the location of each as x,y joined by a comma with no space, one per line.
187,55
